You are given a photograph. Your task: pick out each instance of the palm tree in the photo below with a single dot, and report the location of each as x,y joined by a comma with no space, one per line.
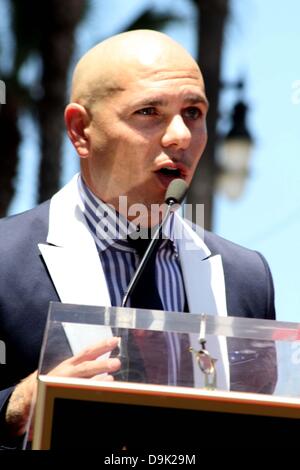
9,146
56,48
46,30
212,15
150,19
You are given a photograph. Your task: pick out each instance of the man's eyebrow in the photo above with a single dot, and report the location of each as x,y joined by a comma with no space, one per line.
152,102
196,99
189,99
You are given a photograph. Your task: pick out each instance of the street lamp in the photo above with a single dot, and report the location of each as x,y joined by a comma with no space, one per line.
234,154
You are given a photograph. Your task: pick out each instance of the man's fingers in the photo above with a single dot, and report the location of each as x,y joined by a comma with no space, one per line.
103,378
94,351
89,369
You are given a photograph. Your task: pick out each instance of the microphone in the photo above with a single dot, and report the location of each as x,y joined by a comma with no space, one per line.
175,194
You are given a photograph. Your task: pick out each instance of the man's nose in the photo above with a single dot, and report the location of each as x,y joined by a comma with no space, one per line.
176,133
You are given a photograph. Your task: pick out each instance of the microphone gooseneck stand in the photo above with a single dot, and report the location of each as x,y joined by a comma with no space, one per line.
174,195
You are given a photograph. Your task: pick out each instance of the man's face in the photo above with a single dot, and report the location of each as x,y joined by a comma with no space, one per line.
143,137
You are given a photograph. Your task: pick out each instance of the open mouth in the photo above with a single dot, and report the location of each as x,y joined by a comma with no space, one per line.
167,174
172,172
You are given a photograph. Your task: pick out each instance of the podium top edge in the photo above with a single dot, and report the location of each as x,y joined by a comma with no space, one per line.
180,322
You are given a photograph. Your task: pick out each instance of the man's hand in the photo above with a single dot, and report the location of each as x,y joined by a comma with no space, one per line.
85,364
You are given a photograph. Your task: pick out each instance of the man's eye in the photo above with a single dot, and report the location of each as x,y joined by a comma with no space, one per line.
192,112
147,111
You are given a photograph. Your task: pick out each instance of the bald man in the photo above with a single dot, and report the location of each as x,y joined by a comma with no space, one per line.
137,120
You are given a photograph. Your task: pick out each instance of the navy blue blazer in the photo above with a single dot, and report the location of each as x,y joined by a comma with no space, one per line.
26,289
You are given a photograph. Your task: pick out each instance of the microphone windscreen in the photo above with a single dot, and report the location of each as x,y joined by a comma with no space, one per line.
176,191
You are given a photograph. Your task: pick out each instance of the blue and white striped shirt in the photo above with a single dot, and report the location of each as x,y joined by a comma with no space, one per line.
120,261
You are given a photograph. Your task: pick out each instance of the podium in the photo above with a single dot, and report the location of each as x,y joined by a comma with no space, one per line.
253,400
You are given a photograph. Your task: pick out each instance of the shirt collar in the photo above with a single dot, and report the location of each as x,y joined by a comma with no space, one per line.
109,227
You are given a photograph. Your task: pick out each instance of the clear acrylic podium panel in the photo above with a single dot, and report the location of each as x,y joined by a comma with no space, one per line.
259,356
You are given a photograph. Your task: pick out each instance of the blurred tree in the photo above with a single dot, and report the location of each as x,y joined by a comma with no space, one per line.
45,31
56,48
9,146
212,15
150,19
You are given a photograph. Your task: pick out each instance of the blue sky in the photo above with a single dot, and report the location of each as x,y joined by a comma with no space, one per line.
261,43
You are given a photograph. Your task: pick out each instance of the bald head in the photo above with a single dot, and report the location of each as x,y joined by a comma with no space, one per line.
138,110
108,67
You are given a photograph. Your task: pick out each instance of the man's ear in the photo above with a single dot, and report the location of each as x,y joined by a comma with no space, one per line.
77,120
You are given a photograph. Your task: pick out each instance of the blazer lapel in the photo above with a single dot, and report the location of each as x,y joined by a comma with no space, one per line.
70,253
73,263
203,274
205,290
